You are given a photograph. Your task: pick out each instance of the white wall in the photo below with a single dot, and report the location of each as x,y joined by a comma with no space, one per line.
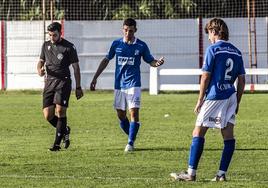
170,38
24,41
176,40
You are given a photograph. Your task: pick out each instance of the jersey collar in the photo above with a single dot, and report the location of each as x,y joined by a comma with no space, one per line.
134,42
221,41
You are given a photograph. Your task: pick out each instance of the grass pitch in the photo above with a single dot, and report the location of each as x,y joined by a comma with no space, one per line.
96,156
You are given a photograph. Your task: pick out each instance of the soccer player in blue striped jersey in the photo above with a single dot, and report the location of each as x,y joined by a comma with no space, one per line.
218,100
128,52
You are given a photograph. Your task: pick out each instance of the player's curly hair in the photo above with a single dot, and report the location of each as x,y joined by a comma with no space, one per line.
220,28
55,26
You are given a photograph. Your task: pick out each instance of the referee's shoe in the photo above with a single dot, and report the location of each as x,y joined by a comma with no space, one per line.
55,148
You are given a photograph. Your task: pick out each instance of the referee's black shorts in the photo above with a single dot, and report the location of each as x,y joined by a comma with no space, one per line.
57,91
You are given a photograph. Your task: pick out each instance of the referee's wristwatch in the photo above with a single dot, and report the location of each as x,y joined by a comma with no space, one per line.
78,88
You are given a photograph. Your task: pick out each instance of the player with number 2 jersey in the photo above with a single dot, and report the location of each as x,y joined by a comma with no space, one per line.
218,100
225,61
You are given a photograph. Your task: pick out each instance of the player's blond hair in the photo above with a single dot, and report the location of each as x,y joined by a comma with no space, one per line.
220,28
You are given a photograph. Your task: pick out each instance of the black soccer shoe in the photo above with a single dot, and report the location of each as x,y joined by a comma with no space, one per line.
55,148
66,137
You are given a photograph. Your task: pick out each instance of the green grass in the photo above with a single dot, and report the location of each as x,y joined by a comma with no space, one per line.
96,158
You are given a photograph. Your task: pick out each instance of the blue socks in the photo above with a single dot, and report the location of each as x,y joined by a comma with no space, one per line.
133,131
196,151
227,153
125,125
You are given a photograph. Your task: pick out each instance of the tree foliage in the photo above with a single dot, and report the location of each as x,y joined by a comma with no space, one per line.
120,9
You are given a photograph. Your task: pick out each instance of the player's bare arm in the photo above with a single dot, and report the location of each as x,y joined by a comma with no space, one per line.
157,63
240,89
205,79
78,90
100,69
40,67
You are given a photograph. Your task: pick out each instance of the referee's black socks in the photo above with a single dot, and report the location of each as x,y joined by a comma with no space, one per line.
60,130
54,121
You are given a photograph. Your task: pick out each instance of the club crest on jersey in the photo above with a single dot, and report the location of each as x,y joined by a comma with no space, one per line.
60,56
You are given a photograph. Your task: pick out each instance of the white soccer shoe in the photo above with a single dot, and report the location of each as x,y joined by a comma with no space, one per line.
129,148
183,176
219,178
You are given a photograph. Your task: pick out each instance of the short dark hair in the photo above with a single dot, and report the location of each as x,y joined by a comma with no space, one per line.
130,22
55,26
220,28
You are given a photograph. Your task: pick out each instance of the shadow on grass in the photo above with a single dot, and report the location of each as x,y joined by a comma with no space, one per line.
151,149
187,149
239,149
170,149
161,149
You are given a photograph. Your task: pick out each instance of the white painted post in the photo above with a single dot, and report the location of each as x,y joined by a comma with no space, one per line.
153,85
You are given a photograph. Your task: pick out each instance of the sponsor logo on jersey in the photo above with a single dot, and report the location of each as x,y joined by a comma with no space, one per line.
60,56
216,120
224,86
125,60
227,48
137,52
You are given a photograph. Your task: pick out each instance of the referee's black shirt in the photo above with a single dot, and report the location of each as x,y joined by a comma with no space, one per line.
58,57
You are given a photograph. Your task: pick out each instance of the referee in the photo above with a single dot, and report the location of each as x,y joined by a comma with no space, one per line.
56,56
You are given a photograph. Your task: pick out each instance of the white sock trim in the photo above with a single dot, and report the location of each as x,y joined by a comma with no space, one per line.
220,173
191,172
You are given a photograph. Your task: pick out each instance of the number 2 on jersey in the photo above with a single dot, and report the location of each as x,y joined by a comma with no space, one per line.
229,65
